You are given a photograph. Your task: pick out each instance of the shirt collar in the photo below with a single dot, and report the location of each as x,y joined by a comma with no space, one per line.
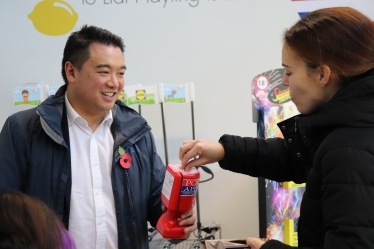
72,115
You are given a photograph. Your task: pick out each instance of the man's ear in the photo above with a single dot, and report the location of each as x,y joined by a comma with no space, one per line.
70,71
324,75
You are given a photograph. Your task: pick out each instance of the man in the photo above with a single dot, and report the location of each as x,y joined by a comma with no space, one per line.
85,154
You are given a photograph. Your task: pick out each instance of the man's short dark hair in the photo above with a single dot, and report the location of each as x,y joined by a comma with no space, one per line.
76,49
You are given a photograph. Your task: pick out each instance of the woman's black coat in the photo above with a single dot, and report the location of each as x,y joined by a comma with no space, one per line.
333,152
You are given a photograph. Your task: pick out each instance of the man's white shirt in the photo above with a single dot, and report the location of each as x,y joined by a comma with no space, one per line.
92,220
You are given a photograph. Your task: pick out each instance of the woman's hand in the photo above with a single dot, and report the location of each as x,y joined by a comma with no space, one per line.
201,152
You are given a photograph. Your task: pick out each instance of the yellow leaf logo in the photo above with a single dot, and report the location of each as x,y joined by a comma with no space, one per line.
53,17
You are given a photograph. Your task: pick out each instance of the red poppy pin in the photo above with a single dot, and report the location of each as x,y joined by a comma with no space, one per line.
126,159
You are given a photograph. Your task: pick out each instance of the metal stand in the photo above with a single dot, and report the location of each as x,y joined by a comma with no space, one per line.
209,230
164,132
197,193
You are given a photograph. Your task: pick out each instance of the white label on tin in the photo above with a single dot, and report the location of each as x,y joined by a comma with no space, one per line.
168,185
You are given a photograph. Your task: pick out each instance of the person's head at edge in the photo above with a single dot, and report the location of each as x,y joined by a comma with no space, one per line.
28,223
322,51
93,68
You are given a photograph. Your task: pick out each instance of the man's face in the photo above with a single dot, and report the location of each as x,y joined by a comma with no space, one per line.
93,89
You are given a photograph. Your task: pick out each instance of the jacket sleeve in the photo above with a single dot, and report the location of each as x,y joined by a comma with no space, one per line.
13,159
347,198
157,179
268,158
275,244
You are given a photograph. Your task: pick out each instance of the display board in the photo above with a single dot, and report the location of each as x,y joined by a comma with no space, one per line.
279,202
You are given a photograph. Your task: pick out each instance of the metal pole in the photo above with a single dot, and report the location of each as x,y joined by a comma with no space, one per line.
193,122
164,131
197,193
140,109
198,215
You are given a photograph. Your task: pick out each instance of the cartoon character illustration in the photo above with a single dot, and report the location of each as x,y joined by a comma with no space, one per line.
171,96
25,95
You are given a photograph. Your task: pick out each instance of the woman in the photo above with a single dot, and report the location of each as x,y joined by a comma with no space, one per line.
328,58
27,223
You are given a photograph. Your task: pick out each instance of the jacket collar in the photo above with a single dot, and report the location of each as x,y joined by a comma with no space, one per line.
352,106
127,124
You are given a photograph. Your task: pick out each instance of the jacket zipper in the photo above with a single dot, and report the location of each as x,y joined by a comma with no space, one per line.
136,134
57,189
129,192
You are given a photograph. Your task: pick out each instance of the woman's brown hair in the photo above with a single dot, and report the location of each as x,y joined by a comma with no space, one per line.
340,37
27,223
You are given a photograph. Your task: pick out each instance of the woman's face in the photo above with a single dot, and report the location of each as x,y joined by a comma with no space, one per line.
306,89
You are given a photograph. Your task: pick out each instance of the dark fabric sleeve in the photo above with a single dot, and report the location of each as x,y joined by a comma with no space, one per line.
268,158
13,158
275,244
158,173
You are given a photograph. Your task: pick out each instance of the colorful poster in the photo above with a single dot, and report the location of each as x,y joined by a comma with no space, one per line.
52,90
28,95
282,200
273,100
141,95
178,93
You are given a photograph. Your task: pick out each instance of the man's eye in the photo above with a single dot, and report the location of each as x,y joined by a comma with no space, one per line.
104,72
288,74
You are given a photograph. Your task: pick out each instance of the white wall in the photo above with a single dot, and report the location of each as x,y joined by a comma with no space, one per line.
219,44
